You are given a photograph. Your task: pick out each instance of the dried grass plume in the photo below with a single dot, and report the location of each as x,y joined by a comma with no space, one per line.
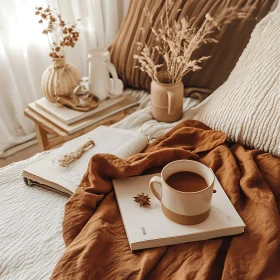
176,42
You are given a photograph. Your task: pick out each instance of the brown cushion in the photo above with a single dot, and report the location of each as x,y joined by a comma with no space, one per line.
233,39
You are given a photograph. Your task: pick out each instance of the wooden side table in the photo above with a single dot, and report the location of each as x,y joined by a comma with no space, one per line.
50,135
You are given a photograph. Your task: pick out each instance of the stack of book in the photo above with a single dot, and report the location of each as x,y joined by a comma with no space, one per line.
72,121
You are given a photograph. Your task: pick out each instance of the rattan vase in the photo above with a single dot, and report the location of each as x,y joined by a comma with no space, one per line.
59,80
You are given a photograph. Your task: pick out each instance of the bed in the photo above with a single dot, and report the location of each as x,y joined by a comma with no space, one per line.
31,242
31,232
30,227
97,246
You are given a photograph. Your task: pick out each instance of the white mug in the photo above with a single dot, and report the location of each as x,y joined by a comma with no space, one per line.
100,69
186,208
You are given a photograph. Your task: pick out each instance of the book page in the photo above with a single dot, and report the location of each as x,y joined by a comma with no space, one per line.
131,147
120,142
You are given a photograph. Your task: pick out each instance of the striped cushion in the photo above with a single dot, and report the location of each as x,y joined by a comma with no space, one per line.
247,105
233,39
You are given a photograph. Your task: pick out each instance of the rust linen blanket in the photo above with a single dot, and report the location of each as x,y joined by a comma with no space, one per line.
97,247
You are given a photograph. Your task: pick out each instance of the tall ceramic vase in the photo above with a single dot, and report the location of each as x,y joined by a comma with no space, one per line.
167,101
59,80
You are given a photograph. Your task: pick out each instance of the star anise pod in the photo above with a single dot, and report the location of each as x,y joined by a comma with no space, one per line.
144,200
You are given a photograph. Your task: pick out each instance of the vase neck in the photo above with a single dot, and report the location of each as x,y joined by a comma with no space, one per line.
168,84
58,62
163,77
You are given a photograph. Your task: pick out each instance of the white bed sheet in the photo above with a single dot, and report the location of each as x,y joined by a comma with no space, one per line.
143,121
31,218
30,226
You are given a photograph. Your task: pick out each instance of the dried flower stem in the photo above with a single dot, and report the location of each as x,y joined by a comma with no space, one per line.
175,43
60,35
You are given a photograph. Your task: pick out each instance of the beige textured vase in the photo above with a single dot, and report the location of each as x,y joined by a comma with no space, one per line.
59,79
167,101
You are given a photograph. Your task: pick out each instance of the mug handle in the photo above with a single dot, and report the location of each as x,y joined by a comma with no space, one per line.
155,179
171,102
115,85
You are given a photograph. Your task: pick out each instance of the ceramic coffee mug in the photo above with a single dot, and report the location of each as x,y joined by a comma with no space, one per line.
187,208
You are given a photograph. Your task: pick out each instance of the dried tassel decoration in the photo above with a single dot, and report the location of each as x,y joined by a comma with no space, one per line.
66,160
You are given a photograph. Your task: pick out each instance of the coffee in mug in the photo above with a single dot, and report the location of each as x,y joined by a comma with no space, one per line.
186,181
186,191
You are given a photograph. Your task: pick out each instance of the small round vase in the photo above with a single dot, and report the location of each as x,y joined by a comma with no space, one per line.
59,80
167,101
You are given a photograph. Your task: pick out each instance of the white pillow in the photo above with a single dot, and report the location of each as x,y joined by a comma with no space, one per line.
247,106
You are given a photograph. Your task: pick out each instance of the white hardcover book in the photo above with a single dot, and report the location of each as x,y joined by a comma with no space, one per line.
49,174
69,116
127,102
147,227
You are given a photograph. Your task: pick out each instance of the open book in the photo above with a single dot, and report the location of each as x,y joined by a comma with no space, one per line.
147,227
49,174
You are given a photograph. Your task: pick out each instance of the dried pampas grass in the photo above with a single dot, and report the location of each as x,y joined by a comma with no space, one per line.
176,41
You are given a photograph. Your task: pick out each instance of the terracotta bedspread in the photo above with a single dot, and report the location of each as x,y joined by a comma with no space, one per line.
97,246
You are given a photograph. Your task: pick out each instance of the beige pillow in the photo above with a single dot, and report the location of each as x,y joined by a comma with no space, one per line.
247,105
233,39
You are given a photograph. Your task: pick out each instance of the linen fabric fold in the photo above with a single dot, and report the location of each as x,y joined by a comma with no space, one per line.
97,246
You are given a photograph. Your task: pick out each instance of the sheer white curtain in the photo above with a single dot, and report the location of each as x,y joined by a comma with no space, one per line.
24,54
